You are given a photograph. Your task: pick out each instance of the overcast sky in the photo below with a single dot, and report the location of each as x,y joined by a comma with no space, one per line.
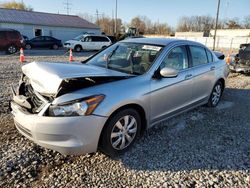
167,11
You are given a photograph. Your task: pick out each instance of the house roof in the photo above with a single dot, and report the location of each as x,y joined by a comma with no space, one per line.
42,18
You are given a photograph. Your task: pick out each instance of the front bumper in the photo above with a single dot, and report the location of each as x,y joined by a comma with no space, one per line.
68,46
67,135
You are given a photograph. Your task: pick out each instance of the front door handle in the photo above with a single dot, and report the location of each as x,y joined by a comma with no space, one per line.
188,76
212,68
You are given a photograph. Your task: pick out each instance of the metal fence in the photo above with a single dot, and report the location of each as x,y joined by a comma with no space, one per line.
222,43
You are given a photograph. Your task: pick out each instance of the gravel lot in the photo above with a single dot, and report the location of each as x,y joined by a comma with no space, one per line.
202,148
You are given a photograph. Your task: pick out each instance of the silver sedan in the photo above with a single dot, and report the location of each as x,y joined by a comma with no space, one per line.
107,101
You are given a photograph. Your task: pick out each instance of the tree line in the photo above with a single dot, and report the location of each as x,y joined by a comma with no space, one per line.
144,25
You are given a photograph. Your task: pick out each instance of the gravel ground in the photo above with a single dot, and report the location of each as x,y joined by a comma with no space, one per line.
201,148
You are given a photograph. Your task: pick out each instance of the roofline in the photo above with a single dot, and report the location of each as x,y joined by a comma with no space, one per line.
38,12
51,25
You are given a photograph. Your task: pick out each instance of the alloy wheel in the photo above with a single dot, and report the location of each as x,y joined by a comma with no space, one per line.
216,94
123,132
12,49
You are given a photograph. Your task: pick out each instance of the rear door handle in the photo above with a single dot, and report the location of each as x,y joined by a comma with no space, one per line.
212,68
188,76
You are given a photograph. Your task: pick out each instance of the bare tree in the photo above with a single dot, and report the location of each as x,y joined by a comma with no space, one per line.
195,23
246,22
233,24
15,5
107,25
138,23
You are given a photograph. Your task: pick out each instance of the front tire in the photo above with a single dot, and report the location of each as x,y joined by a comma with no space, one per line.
216,94
120,132
78,48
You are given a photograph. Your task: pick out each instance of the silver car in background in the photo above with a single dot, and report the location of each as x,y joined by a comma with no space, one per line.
107,101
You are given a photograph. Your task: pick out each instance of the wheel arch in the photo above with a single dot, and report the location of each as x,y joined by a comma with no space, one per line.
223,82
134,106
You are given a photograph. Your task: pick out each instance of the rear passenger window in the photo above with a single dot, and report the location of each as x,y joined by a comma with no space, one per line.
209,56
199,55
177,58
99,39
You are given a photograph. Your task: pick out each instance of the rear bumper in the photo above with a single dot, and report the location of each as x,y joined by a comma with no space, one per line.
67,135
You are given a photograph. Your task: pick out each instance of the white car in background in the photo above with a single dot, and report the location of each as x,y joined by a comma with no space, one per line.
88,42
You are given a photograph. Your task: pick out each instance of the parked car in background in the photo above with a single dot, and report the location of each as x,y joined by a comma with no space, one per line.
25,37
10,40
43,42
111,98
241,62
88,42
112,38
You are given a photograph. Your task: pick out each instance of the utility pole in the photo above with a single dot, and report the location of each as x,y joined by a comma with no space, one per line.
216,23
97,16
67,4
115,17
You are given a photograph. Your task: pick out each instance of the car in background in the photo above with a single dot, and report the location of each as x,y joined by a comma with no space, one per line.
43,42
88,42
25,37
108,100
241,62
10,40
112,38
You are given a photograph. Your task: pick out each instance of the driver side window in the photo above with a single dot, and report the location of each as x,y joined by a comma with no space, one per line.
177,59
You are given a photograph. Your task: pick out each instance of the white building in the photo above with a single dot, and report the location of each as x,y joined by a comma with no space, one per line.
32,24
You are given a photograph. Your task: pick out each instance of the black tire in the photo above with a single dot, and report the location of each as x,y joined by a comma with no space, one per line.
28,47
216,94
110,127
78,48
11,49
55,47
104,47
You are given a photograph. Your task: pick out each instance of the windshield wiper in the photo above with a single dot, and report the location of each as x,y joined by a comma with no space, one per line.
110,55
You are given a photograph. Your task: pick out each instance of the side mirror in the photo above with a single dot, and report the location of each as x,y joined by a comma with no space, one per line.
167,72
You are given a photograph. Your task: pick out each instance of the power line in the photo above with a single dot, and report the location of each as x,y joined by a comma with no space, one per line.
67,4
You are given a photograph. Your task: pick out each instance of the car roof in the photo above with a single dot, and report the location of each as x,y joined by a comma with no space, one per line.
160,41
5,29
93,35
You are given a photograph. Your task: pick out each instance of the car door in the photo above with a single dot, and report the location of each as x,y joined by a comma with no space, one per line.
3,40
86,43
96,42
48,42
203,72
37,42
172,95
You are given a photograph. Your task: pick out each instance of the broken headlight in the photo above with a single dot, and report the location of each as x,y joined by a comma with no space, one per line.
76,108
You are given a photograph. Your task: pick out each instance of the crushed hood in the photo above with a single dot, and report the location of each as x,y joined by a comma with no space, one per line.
46,78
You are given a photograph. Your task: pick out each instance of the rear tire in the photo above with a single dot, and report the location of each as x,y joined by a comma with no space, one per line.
12,49
55,47
216,94
78,48
120,132
28,47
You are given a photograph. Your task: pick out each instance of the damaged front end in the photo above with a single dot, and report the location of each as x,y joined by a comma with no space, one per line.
27,98
33,102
